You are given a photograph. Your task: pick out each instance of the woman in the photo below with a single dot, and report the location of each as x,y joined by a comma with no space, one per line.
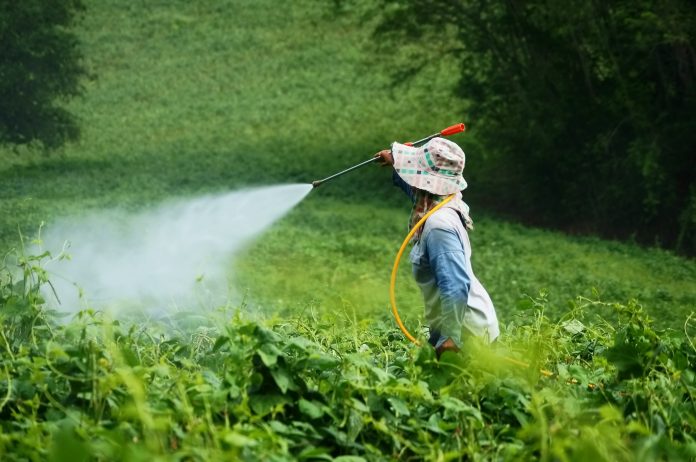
455,301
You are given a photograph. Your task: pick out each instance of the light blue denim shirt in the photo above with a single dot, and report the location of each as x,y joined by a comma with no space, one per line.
454,299
439,267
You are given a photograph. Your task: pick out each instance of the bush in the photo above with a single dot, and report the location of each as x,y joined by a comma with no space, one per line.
40,67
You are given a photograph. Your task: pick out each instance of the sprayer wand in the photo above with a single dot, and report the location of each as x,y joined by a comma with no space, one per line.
457,128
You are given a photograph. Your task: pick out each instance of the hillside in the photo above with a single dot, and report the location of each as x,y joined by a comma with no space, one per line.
188,99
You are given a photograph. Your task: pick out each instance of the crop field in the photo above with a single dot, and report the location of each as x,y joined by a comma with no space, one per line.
597,354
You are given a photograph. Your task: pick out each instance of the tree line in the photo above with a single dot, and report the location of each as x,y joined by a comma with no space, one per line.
586,110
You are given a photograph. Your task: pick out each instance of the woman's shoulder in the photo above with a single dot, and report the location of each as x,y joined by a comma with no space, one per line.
445,218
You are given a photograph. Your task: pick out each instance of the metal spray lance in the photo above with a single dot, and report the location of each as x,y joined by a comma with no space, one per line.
457,128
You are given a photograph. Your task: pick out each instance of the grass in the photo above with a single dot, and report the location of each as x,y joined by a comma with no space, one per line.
334,254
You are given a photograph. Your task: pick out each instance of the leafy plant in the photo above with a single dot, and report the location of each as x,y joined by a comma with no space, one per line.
315,387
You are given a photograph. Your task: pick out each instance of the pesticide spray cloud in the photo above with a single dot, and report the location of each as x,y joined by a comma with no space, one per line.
174,256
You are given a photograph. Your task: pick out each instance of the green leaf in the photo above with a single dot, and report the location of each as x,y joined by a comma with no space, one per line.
434,424
520,416
456,406
265,404
239,440
129,356
399,406
310,408
300,343
220,342
66,445
322,361
359,405
315,453
573,326
283,379
355,425
269,354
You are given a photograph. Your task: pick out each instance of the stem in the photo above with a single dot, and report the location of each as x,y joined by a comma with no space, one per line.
6,399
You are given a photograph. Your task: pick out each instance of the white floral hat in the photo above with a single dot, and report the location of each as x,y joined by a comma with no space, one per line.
435,167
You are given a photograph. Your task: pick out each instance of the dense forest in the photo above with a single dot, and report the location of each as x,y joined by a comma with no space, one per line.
585,109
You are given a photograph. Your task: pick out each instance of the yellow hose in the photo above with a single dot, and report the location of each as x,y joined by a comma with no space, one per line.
392,285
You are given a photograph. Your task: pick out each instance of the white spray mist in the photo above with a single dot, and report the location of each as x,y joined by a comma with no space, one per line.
174,256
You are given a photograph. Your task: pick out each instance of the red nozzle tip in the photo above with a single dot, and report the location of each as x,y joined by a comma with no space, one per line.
457,128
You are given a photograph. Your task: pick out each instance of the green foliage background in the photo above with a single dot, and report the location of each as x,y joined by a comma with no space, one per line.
585,108
192,97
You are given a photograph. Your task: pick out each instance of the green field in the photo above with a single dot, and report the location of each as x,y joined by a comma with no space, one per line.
187,98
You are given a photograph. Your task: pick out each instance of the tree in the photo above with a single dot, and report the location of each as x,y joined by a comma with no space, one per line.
40,67
585,107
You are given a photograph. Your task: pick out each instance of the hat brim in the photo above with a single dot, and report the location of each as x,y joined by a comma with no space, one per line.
410,165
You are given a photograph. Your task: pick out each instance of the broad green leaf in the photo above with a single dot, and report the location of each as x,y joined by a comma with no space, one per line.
264,404
573,326
433,424
130,357
359,405
283,379
322,361
67,446
239,440
355,424
310,408
269,354
220,342
399,406
315,453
